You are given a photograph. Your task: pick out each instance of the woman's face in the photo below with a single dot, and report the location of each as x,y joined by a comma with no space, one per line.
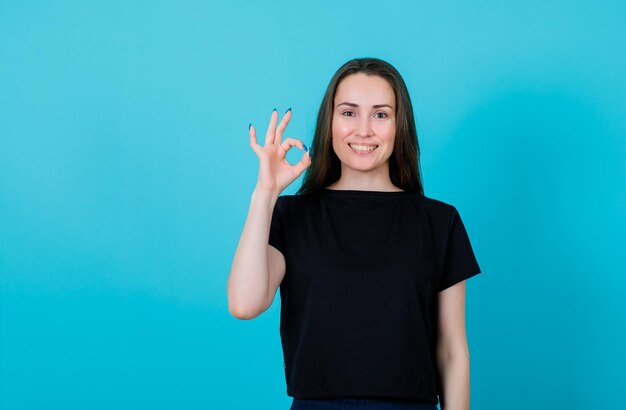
364,116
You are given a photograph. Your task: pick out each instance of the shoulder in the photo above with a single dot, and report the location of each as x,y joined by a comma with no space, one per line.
438,206
285,200
444,213
435,203
289,202
290,199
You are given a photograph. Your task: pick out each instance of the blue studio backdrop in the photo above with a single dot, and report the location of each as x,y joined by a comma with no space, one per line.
126,175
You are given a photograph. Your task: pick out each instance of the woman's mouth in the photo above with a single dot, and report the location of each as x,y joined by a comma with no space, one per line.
362,149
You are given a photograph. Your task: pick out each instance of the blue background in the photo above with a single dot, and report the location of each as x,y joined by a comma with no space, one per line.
126,175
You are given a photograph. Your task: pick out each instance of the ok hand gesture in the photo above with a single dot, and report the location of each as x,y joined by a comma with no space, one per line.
275,172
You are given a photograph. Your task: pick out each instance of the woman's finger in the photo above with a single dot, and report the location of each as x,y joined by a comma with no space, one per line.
271,128
292,142
282,126
303,164
253,142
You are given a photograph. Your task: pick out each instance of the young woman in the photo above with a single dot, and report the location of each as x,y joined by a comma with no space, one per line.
371,271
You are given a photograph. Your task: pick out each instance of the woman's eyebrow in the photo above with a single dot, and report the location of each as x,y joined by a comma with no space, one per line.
356,105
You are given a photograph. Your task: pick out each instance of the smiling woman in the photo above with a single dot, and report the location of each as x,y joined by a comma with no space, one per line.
365,105
363,131
371,271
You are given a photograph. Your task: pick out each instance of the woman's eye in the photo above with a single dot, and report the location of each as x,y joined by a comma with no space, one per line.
345,113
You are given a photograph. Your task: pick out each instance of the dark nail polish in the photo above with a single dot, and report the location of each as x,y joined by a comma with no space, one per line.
274,109
305,148
288,109
249,125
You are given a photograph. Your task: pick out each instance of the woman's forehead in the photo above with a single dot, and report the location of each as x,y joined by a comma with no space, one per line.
367,90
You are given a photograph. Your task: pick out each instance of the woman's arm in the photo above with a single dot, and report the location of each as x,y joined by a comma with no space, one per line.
255,273
452,349
248,282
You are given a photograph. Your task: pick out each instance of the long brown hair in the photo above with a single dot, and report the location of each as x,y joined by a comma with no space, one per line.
404,165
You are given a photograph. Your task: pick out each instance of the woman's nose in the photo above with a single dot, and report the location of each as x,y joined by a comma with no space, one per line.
363,127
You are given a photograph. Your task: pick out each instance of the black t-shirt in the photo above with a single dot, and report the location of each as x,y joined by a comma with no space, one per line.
359,298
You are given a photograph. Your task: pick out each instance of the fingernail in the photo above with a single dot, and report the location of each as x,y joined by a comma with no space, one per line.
288,109
305,148
249,126
274,109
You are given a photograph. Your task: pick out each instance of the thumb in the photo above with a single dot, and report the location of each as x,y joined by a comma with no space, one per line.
303,164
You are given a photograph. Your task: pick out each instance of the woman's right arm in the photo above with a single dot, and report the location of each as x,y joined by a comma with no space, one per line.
248,284
257,268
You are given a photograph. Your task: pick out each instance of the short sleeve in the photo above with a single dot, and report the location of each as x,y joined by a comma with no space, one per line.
459,260
276,238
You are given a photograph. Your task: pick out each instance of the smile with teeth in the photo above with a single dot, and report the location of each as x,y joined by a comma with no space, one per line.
363,148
